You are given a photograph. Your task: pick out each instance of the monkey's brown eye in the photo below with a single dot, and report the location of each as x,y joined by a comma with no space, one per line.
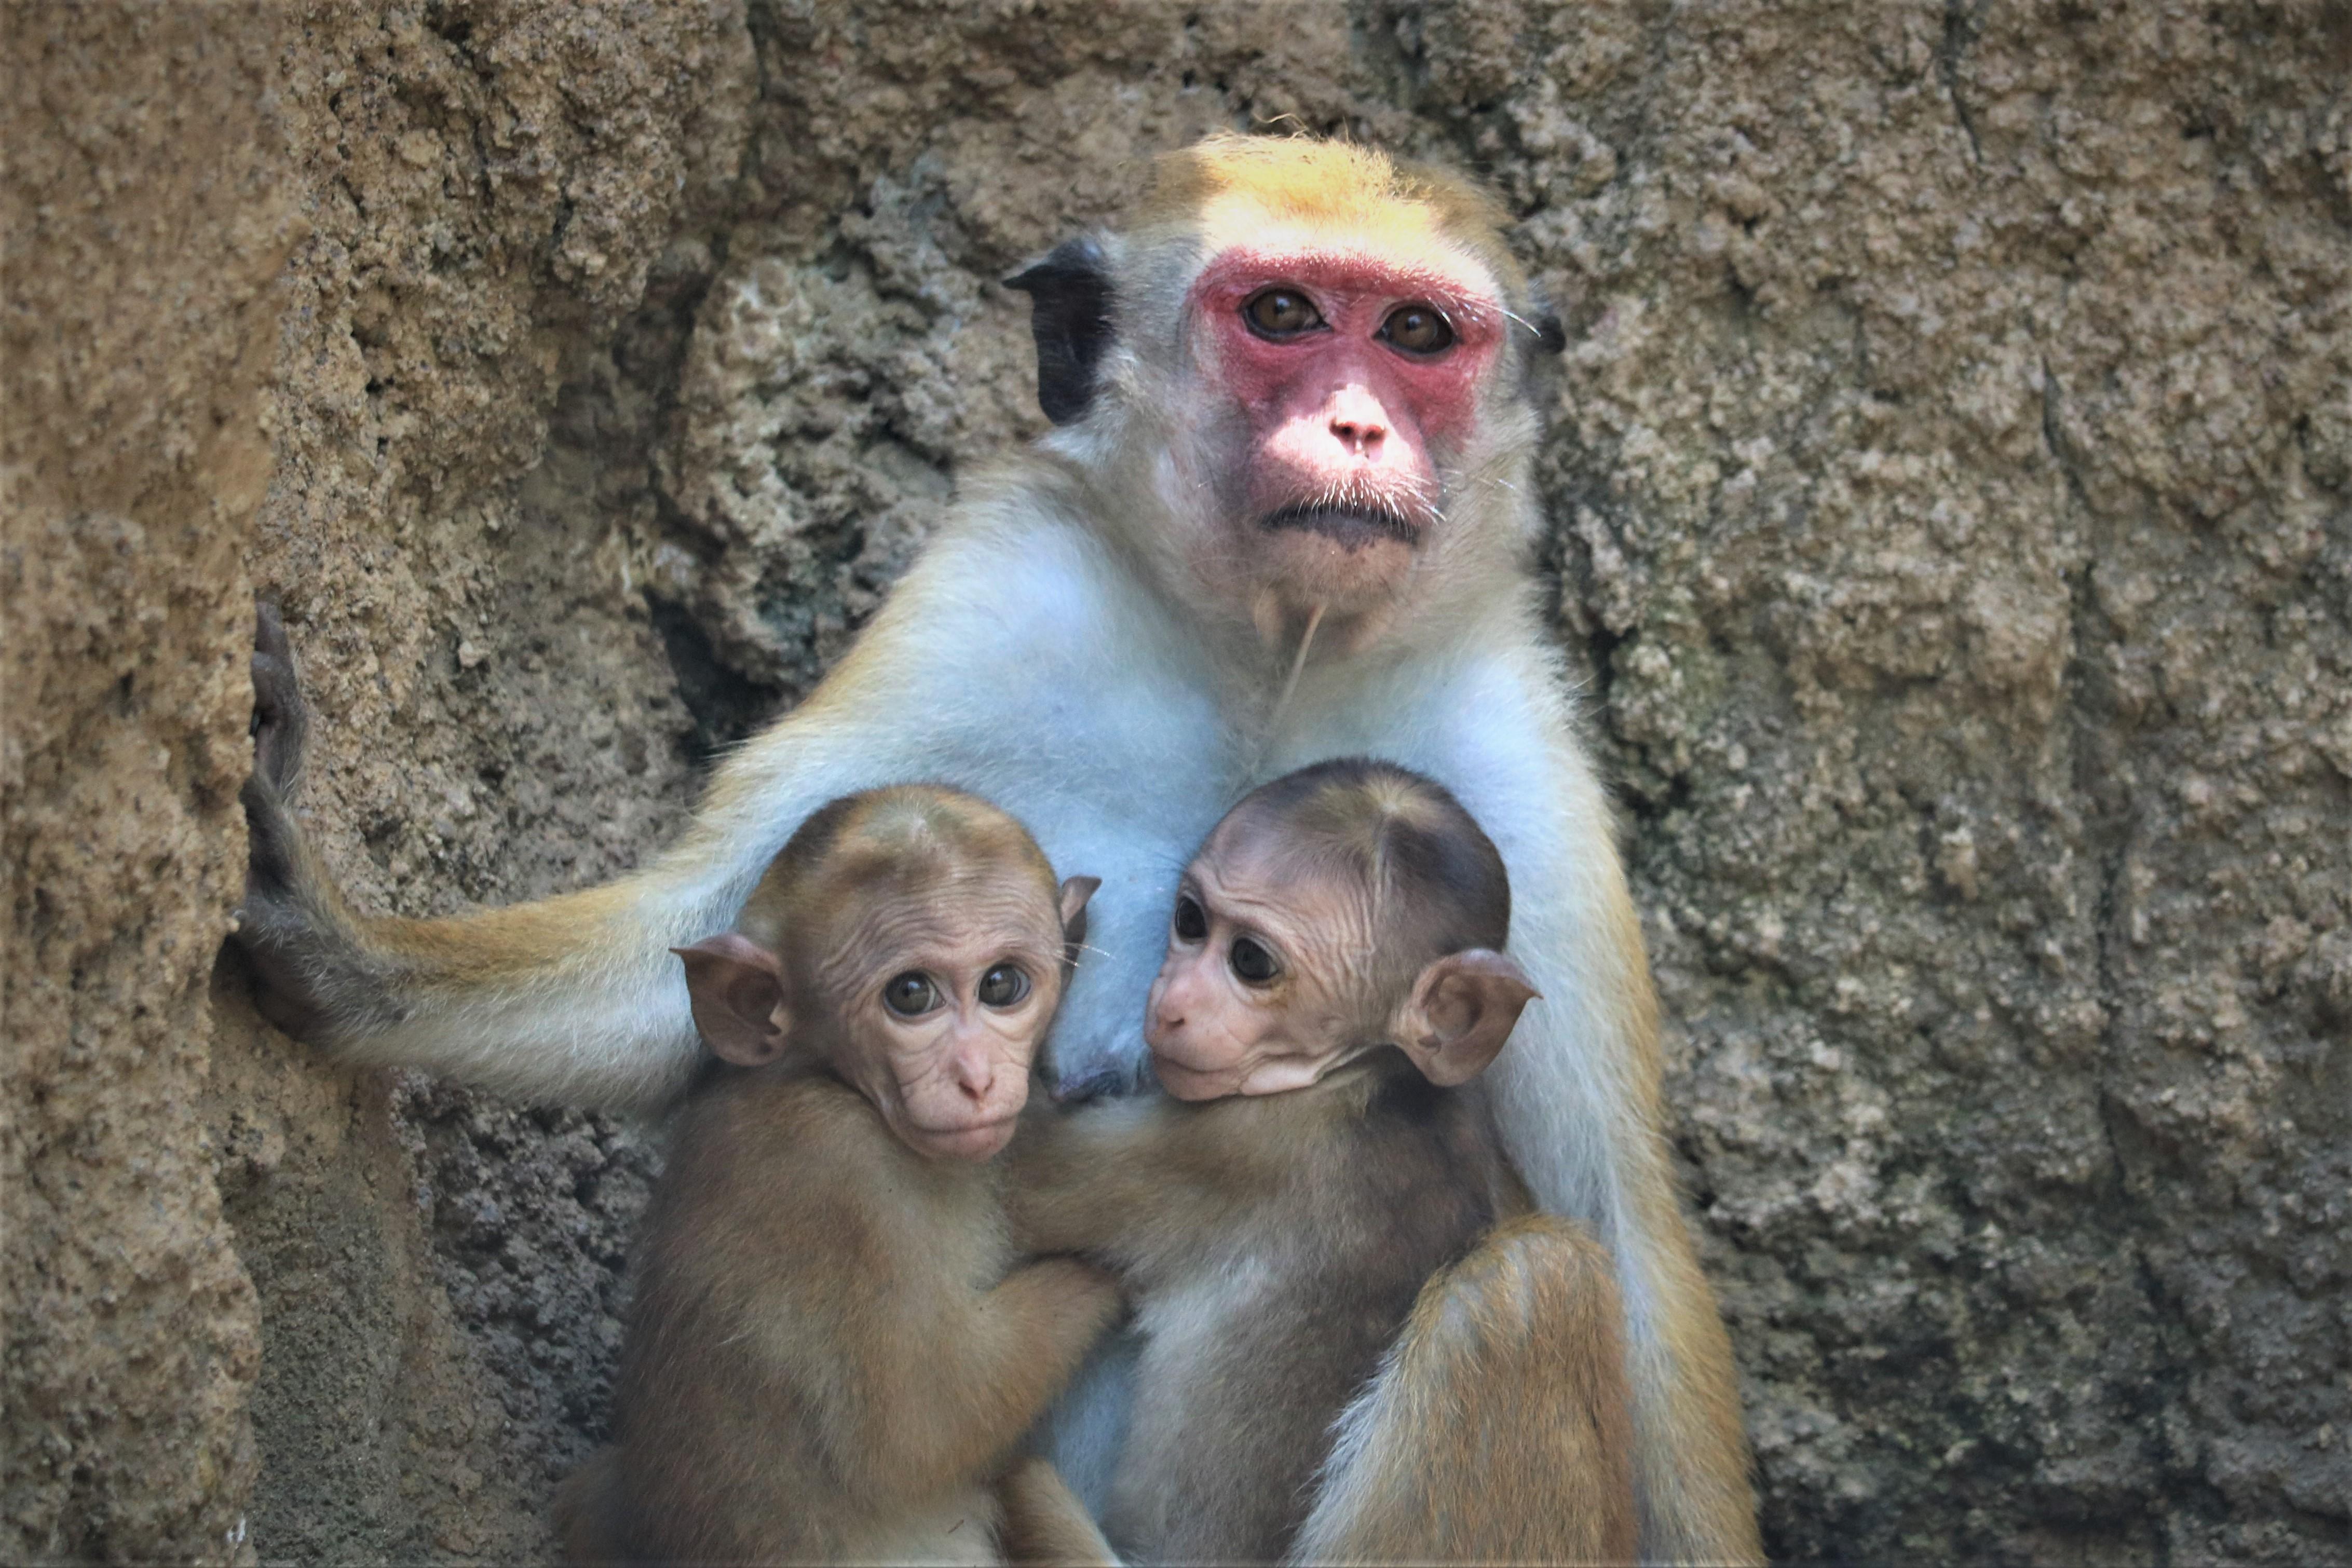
1191,921
1418,329
1003,985
1280,313
1252,962
910,995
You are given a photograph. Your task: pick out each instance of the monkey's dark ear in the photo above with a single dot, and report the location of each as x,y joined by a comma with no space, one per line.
738,999
1463,1008
1076,890
1069,299
1551,337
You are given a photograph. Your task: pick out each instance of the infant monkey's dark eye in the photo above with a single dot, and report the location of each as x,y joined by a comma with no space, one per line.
1252,961
1003,985
1191,920
910,995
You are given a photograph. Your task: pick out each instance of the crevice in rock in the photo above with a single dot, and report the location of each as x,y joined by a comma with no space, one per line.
1962,24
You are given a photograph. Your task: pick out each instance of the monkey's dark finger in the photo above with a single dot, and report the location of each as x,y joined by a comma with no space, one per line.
275,689
281,723
269,631
281,717
269,678
270,836
274,980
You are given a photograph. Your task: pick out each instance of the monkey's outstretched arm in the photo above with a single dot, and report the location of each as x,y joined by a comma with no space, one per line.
577,999
1111,1179
1080,1180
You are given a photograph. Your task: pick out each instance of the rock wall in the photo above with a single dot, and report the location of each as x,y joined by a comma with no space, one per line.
1952,476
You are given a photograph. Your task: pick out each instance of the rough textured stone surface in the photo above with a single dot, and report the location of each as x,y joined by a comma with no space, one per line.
1952,478
143,229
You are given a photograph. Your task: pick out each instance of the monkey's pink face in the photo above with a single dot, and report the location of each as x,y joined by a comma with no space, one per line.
1356,379
946,1020
1256,993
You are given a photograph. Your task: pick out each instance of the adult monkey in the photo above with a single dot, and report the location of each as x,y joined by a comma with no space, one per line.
1284,518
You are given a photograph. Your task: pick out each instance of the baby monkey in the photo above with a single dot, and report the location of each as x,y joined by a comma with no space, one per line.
832,1351
1335,980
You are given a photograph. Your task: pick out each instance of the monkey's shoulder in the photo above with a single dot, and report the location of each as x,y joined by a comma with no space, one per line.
772,1113
1383,1140
1012,593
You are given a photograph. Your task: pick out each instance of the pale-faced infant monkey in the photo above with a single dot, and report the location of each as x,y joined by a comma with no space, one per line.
1284,514
1334,982
832,1349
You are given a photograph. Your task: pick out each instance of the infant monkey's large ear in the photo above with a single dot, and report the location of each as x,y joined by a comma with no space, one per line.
1461,1008
738,991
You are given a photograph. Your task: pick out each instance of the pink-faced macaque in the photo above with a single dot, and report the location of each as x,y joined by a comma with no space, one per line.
835,1349
1334,984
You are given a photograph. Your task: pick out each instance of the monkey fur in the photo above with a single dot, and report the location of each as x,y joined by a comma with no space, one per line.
1200,579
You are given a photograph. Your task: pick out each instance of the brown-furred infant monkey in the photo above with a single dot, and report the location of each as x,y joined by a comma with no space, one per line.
1333,984
833,1349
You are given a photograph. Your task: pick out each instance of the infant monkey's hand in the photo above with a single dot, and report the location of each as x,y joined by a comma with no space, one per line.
1079,1300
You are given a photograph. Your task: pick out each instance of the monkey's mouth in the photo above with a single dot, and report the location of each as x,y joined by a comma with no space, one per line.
972,1141
1351,524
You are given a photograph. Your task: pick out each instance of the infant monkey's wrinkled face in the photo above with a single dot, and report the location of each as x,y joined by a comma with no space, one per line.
912,939
1340,910
1271,978
943,1003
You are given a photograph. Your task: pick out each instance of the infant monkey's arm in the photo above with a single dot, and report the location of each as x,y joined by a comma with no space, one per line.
999,1360
1109,1180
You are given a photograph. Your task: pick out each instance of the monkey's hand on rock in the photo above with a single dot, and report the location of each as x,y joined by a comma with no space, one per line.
292,927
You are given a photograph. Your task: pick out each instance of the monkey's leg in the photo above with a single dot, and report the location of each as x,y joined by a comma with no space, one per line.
1690,1447
1499,1429
1044,1522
